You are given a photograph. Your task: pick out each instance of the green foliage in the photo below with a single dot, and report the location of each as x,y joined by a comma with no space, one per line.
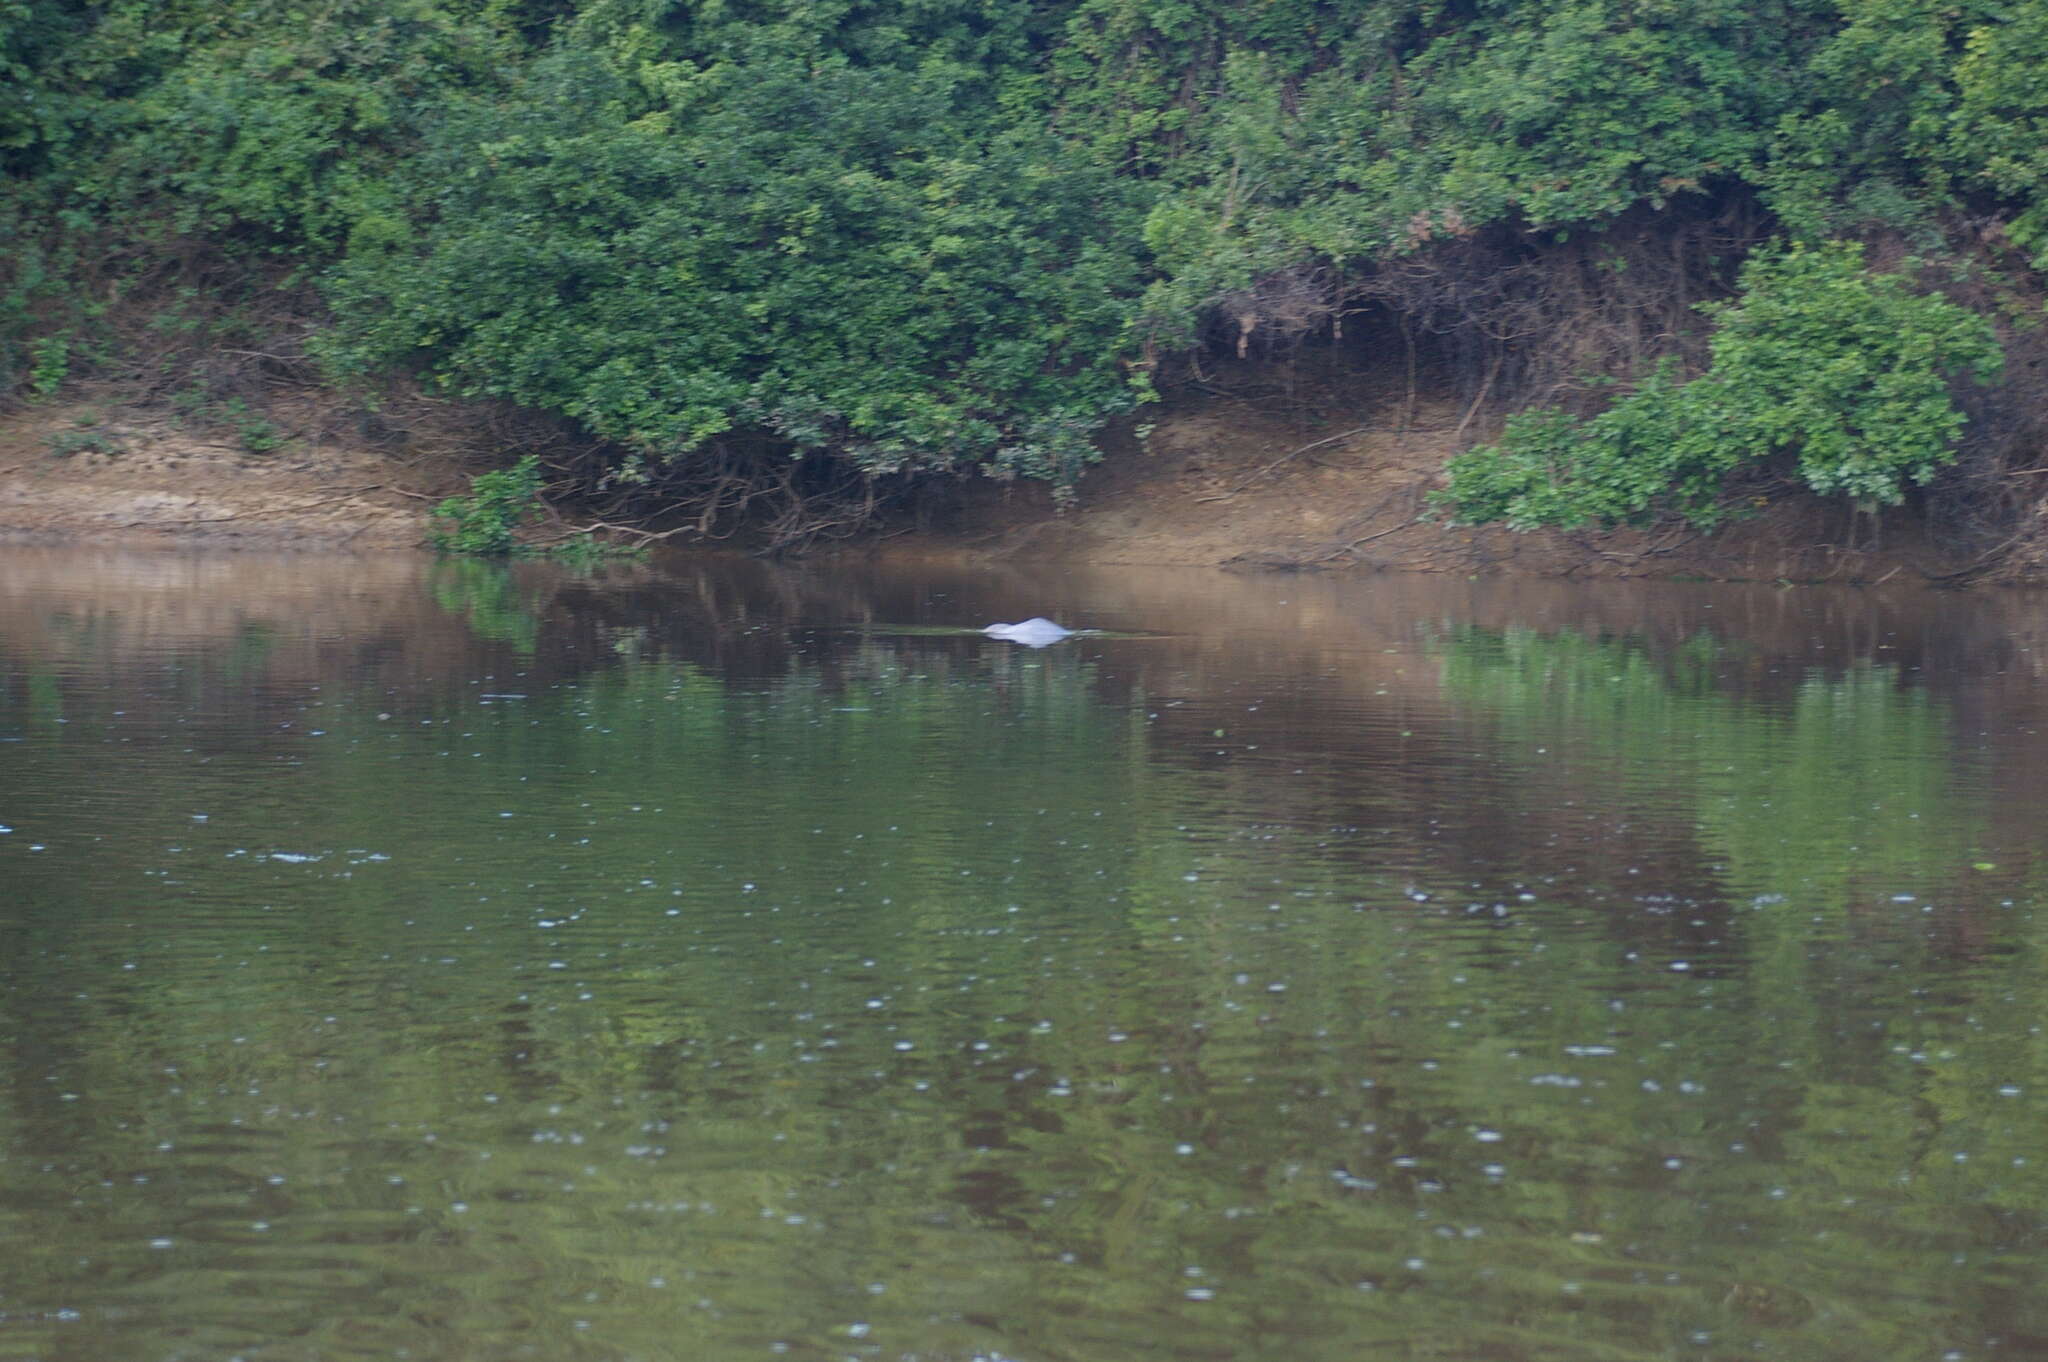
804,248
1912,105
1395,126
937,235
253,431
1999,134
486,523
279,126
66,443
1844,372
256,434
49,364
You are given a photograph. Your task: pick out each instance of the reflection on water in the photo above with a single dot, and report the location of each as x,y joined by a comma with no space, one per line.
441,961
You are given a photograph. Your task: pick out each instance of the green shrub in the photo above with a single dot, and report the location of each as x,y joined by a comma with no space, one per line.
49,365
66,443
485,524
1843,372
256,433
783,245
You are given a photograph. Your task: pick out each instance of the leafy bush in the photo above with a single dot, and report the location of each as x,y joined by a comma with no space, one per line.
66,443
49,364
486,523
785,246
1999,136
1844,372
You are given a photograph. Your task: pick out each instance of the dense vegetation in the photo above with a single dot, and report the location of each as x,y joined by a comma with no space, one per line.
799,247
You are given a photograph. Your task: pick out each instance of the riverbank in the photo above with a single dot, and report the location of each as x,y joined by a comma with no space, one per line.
90,471
1248,476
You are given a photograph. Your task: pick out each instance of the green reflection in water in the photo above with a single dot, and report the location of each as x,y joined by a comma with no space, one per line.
911,1003
486,596
1843,788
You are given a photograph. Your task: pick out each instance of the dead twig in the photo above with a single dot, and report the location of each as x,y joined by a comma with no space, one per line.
612,527
1478,401
1983,563
1290,454
1351,546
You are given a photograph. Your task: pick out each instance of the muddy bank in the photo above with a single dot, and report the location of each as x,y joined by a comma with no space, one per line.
1240,480
1247,484
78,473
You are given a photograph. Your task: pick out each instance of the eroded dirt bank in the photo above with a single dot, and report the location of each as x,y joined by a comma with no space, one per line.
1254,483
1241,478
80,473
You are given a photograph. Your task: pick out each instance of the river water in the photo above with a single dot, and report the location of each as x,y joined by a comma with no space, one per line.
434,960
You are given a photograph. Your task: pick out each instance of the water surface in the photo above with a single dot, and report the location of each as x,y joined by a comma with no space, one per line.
437,961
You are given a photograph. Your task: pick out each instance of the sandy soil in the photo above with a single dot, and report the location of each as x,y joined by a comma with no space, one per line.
1231,483
85,472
